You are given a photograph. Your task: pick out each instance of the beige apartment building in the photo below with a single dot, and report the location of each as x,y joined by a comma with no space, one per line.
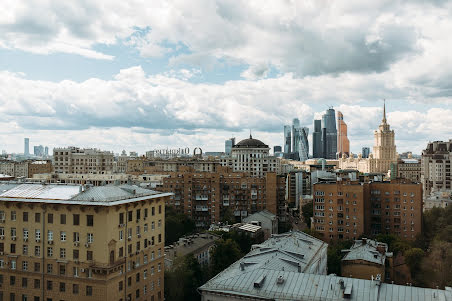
435,164
206,196
349,209
77,160
73,242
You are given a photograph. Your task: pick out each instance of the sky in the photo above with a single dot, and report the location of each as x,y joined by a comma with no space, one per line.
144,75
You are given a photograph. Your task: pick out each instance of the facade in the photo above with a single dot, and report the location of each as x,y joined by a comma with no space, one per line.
198,245
287,139
435,165
317,140
38,151
298,185
26,146
72,242
77,160
343,144
349,209
366,259
329,134
407,169
440,199
384,152
252,156
39,167
265,219
207,196
82,179
16,169
228,144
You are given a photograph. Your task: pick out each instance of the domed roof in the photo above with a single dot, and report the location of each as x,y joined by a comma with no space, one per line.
251,143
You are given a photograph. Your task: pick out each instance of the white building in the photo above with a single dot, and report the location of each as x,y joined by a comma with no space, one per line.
267,220
253,156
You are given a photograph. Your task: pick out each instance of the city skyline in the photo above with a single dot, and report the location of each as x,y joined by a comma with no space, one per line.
129,78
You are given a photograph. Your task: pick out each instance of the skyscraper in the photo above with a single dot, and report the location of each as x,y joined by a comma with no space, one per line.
46,151
228,144
343,144
329,134
287,139
317,139
26,146
365,152
295,135
303,148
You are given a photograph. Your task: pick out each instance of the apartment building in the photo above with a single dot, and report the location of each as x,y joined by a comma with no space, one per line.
206,196
80,178
17,169
436,163
78,160
407,169
349,209
146,165
73,242
39,167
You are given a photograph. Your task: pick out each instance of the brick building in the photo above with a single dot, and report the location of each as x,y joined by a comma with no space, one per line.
77,160
206,196
349,209
72,242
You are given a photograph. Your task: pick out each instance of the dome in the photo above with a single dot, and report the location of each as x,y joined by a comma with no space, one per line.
251,143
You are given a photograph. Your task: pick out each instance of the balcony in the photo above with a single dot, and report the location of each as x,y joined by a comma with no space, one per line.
202,208
201,197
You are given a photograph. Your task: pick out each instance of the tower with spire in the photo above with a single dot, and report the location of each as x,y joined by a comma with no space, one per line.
384,150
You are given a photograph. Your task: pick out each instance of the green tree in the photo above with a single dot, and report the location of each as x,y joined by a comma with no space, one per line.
228,216
413,258
224,254
182,282
435,267
307,212
335,255
176,225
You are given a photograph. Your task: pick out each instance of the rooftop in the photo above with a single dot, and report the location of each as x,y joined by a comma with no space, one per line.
250,143
264,213
367,249
190,244
108,195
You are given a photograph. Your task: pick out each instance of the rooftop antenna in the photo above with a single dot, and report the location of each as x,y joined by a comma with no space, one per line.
384,110
251,137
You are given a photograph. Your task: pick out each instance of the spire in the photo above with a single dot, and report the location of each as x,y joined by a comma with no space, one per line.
251,137
384,111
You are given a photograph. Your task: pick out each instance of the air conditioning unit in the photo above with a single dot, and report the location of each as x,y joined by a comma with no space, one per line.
13,238
87,245
82,270
2,237
129,238
76,261
1,253
139,235
50,242
76,244
38,239
25,238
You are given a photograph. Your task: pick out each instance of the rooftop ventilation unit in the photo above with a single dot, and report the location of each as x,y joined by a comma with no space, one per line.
260,281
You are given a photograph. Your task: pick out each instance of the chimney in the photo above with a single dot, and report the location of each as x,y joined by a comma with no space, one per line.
364,240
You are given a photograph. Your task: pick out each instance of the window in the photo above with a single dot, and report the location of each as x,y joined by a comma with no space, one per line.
160,238
75,289
63,219
2,215
13,215
25,216
89,290
37,217
121,234
160,209
145,228
153,211
75,254
153,225
145,259
90,238
13,248
129,233
63,236
76,219
121,218
13,232
121,251
145,212
25,265
49,285
62,269
37,284
24,282
138,214
49,251
12,280
137,277
37,267
76,237
38,234
50,218
129,281
89,255
62,253
25,233
120,285
49,268
89,220
145,272
160,223
62,287
50,235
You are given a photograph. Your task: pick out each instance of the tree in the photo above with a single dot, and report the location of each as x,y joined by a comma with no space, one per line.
228,216
307,212
182,282
435,268
335,255
224,254
413,258
176,225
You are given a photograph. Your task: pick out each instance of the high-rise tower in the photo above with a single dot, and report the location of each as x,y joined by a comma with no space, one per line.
329,134
317,139
384,150
26,146
287,139
343,144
